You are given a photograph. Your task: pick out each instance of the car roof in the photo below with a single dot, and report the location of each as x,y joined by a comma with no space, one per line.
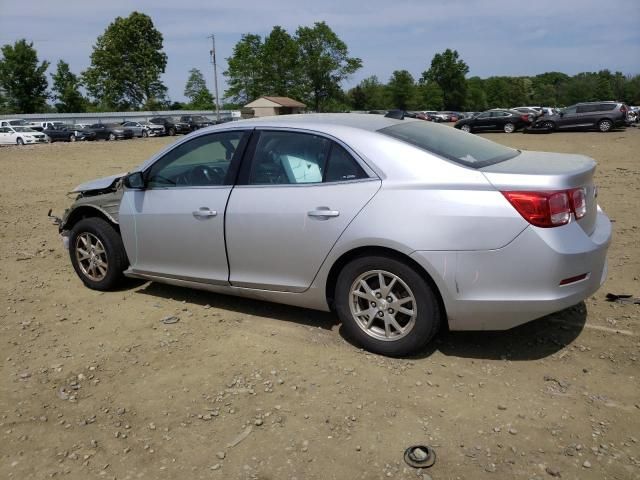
362,121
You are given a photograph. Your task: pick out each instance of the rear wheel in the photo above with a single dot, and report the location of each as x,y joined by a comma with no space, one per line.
97,253
145,134
605,125
509,127
386,306
465,128
172,131
72,138
548,124
19,141
112,136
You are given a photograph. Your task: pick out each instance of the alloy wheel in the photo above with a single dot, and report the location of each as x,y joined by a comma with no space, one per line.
91,256
383,305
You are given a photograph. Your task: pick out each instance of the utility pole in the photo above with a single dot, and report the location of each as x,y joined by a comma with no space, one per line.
215,73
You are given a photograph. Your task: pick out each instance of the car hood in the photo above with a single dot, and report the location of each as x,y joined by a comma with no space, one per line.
99,183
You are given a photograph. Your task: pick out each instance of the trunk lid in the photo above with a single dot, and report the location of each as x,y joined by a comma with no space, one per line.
546,171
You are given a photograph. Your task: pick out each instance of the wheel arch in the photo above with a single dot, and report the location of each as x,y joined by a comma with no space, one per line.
346,257
87,211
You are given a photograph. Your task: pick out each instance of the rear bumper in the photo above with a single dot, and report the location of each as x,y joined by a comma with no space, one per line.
503,288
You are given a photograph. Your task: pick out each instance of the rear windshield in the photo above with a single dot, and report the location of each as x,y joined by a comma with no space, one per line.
461,147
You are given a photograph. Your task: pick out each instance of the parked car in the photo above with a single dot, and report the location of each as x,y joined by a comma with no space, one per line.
507,121
399,226
41,126
14,122
602,116
60,134
110,131
82,132
144,129
18,135
171,127
533,113
196,122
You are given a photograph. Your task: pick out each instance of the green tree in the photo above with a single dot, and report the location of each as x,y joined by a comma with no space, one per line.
281,65
476,100
126,64
244,75
324,62
373,94
66,91
402,90
448,71
196,91
22,78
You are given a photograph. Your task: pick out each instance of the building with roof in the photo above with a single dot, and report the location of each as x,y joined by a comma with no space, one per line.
269,106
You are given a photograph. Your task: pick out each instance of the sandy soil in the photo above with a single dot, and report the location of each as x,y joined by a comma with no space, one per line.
93,385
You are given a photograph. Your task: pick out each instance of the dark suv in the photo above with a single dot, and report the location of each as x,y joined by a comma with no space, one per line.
171,127
601,115
196,122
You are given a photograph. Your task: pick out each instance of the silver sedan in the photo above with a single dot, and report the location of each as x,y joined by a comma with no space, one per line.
399,226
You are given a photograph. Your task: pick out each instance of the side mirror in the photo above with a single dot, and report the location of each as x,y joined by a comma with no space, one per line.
134,181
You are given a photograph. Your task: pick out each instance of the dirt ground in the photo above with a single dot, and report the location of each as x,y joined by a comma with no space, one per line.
94,385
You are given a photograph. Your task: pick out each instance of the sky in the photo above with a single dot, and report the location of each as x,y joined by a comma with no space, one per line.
494,37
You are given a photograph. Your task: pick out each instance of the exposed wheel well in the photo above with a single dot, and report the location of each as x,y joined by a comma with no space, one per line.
86,212
332,278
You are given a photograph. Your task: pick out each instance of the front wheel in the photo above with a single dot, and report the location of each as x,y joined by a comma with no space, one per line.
605,125
145,134
386,306
509,127
19,142
112,136
172,131
97,253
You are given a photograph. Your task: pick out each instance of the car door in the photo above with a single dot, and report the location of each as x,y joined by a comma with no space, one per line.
4,135
568,118
174,227
297,193
482,121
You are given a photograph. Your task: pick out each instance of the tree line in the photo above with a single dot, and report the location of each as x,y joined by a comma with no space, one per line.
309,65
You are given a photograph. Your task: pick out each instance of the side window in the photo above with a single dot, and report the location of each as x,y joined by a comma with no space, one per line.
203,161
570,110
283,158
604,107
342,166
484,115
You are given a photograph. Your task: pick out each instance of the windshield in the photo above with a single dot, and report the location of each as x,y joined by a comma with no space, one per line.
14,123
461,147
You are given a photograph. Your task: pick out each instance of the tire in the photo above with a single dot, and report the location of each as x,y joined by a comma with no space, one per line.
172,131
509,128
72,138
97,253
145,134
605,125
409,291
548,124
19,142
466,128
112,136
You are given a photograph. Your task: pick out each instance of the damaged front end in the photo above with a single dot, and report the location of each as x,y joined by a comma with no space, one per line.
100,197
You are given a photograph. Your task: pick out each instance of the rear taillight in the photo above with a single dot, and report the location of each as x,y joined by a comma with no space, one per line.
525,118
578,202
549,209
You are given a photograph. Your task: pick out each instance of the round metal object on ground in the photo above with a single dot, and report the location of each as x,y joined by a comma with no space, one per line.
383,305
420,456
91,256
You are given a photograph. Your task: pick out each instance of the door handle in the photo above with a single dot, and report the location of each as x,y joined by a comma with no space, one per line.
204,212
323,213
